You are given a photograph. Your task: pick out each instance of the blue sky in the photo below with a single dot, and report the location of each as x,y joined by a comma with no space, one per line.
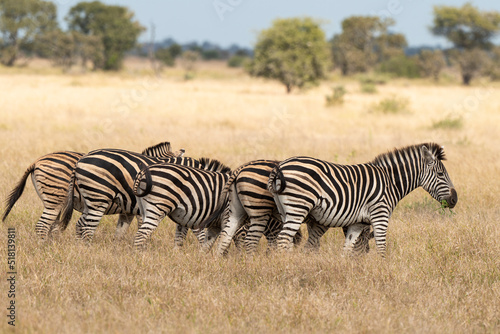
237,21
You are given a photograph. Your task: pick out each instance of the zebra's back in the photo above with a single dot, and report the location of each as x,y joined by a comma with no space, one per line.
107,175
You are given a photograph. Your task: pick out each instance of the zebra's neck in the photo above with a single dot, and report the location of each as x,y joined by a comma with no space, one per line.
403,170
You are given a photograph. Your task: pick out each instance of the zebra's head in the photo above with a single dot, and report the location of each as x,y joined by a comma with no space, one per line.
434,178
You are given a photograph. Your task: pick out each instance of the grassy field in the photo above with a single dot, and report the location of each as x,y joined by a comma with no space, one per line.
442,271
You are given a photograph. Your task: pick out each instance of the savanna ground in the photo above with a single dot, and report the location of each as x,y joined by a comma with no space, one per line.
442,271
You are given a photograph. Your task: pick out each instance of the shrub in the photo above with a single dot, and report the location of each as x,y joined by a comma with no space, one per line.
337,96
393,105
237,61
449,122
400,66
368,87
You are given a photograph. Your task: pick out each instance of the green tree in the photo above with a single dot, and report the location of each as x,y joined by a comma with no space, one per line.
113,25
20,22
493,68
470,61
430,63
57,46
470,30
167,55
293,51
363,42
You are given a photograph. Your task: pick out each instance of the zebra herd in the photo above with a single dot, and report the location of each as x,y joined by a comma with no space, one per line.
261,197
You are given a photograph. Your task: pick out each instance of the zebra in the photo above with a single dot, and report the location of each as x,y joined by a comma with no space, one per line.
245,196
104,179
340,195
187,195
50,175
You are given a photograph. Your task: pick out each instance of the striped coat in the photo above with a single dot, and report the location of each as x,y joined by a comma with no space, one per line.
246,196
51,175
186,194
104,179
341,195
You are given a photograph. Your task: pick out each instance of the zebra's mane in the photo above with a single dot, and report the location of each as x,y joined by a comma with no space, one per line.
214,165
435,149
163,147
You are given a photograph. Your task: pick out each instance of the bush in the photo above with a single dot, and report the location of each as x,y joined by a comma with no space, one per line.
393,105
400,66
368,87
337,96
450,122
237,61
369,82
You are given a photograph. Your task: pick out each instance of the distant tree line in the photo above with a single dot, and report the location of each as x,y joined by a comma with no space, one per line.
294,51
169,50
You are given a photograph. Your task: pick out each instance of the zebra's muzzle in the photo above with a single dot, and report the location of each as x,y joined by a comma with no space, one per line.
452,201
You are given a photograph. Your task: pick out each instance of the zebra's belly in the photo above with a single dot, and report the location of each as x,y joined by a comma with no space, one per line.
181,217
337,217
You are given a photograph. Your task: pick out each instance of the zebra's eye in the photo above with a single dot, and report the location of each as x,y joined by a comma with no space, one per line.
440,174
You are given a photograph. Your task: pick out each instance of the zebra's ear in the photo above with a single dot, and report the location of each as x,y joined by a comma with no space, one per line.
428,156
180,153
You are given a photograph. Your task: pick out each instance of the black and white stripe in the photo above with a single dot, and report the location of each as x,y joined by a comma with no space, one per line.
50,175
105,178
185,194
341,195
246,198
247,208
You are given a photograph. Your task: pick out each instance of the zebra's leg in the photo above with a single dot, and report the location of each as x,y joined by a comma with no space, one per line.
239,237
297,238
258,226
123,224
46,221
356,240
285,237
357,243
234,214
211,235
293,215
379,224
315,231
152,215
139,221
199,233
271,233
273,228
87,224
226,236
180,235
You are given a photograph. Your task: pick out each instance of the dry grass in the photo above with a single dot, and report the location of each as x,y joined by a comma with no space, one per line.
442,271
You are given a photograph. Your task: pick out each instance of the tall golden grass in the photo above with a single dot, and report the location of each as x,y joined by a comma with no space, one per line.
442,271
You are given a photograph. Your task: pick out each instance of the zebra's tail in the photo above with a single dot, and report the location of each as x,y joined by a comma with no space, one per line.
143,182
64,217
17,191
276,183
